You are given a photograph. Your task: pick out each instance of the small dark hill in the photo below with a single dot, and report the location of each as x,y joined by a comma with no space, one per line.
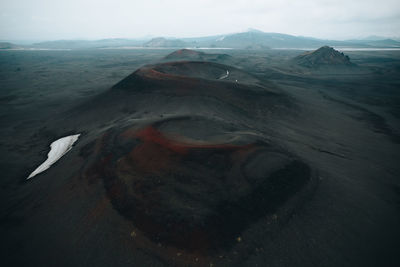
323,57
185,53
188,54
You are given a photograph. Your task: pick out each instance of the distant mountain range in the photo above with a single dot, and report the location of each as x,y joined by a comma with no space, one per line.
7,45
164,42
252,39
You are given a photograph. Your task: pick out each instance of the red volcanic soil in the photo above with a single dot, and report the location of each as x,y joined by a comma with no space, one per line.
157,154
152,135
190,195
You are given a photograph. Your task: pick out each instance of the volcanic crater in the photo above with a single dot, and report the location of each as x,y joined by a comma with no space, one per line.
197,195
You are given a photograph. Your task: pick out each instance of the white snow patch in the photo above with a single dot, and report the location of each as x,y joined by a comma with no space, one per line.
57,149
225,75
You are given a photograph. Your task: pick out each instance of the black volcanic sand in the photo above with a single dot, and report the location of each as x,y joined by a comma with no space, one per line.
287,166
194,183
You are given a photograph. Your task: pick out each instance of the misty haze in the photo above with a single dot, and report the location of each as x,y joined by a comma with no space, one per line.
200,133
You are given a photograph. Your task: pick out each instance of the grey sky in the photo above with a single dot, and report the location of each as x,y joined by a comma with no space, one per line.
95,19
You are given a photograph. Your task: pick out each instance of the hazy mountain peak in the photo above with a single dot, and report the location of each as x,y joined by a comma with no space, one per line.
7,45
254,30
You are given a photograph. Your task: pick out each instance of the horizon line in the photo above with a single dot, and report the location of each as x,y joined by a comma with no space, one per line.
150,37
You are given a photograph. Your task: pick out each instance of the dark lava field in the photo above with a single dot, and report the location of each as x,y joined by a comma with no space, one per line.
211,158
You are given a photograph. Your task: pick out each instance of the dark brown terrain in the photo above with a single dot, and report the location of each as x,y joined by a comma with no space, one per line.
249,159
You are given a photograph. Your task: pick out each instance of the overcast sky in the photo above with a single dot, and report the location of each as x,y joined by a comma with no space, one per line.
95,19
